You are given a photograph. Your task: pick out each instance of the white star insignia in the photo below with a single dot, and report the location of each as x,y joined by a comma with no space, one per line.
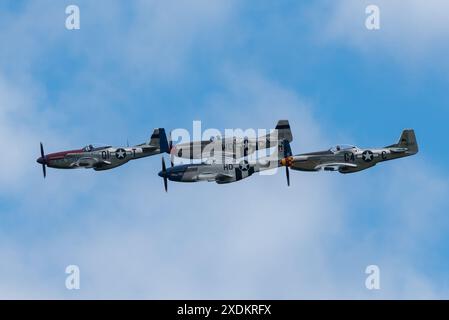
244,166
367,156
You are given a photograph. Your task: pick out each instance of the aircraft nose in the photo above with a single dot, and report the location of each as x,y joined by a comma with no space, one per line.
161,174
40,160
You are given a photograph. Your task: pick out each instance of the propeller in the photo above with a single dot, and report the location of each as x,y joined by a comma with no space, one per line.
287,161
170,142
164,174
44,169
170,146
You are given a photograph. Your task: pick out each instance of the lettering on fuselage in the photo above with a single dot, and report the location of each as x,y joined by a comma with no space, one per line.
105,154
228,166
349,156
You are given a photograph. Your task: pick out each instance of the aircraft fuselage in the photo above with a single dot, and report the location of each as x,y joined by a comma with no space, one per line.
98,158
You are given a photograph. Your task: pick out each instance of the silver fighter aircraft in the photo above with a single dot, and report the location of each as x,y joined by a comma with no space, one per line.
226,171
235,147
348,159
105,157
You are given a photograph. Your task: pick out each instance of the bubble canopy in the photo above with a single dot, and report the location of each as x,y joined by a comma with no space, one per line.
93,147
342,147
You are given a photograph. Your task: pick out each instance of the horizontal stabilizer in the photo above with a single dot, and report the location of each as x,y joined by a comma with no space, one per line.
398,150
406,141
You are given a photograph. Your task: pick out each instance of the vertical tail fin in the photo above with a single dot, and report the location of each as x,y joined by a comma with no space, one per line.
407,140
159,139
284,132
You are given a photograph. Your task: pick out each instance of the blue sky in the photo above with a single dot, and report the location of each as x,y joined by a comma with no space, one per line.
138,65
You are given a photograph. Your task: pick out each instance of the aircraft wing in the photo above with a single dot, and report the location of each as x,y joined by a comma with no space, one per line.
89,162
223,177
220,157
209,176
335,166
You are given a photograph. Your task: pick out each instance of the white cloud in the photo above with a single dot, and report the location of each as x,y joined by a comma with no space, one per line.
16,129
253,239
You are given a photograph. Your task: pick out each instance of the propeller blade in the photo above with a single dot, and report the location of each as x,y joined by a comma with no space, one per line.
44,169
170,142
42,151
170,146
164,171
287,173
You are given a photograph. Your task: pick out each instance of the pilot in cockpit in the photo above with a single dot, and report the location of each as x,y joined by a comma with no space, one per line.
342,147
88,148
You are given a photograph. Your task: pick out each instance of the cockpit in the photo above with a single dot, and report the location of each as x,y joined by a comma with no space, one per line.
214,138
342,147
91,148
88,148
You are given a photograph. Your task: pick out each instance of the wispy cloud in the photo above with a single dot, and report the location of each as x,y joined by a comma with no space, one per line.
410,32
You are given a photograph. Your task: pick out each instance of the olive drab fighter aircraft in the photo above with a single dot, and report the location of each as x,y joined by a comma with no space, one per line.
103,157
227,171
235,147
348,159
